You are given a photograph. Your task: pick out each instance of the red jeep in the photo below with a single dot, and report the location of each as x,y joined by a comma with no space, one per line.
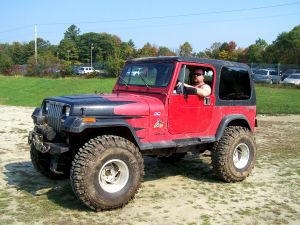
99,139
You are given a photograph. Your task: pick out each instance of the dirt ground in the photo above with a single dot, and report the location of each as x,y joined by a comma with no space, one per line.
183,193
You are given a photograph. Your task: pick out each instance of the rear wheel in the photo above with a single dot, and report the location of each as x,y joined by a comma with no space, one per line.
233,156
107,172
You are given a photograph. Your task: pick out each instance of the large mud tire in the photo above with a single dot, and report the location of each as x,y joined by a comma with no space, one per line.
233,156
41,162
107,172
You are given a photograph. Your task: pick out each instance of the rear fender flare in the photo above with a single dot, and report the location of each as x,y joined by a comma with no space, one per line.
231,120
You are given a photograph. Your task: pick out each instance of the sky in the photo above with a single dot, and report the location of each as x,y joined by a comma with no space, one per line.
167,23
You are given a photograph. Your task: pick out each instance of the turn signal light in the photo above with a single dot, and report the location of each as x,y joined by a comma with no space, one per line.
89,119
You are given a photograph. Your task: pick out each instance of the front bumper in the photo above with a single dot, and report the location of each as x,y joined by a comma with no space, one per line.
37,141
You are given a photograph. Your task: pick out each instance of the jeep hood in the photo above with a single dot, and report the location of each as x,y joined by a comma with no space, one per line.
108,104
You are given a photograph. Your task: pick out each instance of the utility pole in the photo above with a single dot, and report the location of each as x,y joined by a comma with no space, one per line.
35,43
68,51
92,47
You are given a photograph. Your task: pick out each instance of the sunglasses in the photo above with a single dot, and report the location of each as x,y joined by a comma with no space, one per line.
198,74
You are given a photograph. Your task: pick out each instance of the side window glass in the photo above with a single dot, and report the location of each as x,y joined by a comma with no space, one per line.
184,74
234,84
183,78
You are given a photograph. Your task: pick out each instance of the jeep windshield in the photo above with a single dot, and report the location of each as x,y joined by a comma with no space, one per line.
149,74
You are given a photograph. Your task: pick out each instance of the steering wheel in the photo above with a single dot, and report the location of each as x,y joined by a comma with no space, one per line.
179,87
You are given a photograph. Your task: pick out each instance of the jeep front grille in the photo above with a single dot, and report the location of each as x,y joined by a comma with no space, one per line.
54,115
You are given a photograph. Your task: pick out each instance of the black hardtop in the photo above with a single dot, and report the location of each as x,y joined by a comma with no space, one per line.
216,62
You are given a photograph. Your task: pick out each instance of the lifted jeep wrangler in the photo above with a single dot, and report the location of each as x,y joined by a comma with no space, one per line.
98,140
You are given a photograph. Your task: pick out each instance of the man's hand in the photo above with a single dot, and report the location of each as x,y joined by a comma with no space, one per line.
178,84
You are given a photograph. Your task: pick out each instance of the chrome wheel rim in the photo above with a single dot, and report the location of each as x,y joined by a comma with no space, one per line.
241,156
113,175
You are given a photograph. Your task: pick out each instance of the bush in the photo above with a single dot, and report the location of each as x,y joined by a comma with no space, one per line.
5,63
92,75
46,65
114,66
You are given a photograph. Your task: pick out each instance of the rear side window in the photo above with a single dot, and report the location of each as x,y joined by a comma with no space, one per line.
234,84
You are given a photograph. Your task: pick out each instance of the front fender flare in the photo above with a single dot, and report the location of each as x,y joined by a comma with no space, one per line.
75,125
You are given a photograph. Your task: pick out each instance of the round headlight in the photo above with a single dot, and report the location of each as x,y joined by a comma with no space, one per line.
67,110
46,107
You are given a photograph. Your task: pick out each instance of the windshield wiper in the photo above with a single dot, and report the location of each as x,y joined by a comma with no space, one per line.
144,80
124,81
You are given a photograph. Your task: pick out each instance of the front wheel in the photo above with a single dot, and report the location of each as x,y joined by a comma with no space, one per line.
42,163
107,172
233,156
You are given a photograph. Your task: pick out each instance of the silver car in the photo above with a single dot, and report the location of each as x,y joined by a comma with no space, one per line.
294,78
288,72
266,76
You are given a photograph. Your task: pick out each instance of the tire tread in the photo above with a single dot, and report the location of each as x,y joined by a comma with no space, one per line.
220,154
88,153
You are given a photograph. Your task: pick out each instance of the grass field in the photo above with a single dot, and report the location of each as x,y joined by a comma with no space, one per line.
28,91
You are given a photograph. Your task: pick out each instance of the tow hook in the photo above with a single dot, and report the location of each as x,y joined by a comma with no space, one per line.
54,163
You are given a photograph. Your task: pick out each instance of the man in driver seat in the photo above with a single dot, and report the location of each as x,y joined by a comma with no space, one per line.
202,89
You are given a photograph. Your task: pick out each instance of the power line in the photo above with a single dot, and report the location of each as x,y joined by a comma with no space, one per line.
174,16
17,28
47,33
159,17
208,21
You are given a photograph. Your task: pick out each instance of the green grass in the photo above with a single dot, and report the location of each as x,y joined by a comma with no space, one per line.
30,91
277,99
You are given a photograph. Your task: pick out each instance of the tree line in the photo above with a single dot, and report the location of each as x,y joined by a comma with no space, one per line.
109,53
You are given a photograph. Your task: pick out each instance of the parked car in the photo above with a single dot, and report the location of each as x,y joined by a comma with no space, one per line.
136,71
289,72
292,79
86,70
266,76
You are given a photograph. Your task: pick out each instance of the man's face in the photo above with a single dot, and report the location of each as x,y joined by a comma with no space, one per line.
198,78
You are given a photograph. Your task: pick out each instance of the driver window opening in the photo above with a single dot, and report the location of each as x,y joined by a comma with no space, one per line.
187,75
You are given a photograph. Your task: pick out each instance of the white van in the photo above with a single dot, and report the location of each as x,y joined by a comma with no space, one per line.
86,69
